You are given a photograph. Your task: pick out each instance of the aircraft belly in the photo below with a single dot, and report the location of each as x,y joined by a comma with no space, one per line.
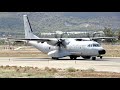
90,52
58,54
85,52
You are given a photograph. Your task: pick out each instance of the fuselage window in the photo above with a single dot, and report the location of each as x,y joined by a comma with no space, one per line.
98,45
94,45
90,45
80,46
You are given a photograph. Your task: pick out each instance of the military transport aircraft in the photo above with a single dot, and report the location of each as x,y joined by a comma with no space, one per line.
61,47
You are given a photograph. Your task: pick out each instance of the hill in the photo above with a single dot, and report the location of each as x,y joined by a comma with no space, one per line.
12,22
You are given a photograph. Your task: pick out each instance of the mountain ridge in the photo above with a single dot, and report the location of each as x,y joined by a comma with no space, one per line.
12,22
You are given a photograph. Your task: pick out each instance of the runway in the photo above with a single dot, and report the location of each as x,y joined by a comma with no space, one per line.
106,64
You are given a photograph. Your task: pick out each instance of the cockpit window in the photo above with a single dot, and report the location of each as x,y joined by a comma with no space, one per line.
89,45
94,45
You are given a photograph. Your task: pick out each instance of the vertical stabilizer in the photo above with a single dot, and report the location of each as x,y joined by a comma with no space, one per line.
28,30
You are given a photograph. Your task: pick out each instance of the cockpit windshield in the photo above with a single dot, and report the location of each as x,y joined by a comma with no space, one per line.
94,45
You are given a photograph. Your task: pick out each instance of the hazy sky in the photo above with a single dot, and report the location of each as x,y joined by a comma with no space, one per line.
91,14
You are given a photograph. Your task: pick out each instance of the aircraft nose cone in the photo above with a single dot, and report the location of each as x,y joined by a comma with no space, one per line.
102,51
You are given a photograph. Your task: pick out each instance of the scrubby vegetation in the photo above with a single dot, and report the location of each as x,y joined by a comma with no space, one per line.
34,72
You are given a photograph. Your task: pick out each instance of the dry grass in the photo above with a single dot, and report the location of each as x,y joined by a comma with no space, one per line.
25,51
71,69
30,72
112,50
22,54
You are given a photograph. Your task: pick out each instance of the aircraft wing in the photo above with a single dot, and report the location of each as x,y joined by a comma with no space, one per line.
94,38
39,40
82,39
97,38
50,41
103,38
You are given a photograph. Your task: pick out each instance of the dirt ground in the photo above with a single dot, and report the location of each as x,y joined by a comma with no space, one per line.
30,72
24,51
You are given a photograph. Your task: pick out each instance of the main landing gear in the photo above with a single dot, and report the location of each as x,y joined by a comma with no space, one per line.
73,57
94,58
101,57
55,58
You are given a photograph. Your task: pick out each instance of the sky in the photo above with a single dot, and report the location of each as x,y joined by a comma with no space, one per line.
91,14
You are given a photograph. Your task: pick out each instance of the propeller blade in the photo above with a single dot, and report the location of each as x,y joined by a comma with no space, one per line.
60,42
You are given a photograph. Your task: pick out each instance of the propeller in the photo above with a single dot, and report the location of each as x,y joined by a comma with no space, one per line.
60,42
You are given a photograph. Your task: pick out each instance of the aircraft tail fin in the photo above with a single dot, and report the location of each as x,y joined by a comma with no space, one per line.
28,30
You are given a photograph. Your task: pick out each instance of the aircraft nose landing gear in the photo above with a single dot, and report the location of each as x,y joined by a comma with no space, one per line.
101,57
93,58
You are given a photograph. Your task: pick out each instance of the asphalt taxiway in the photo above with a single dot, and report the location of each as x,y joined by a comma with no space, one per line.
110,64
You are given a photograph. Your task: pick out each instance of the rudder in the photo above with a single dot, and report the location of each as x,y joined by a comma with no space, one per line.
28,30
